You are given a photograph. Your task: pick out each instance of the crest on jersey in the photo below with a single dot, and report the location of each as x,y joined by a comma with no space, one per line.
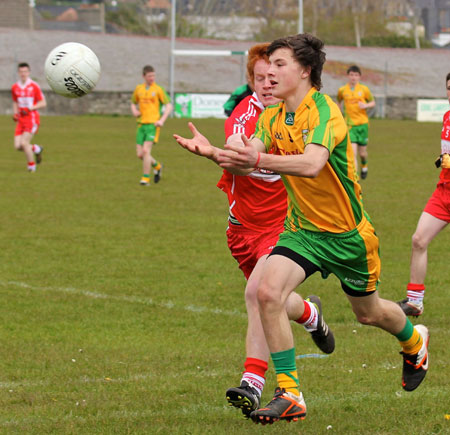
289,119
305,133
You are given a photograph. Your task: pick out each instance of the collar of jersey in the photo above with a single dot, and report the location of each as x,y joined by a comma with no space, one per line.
256,101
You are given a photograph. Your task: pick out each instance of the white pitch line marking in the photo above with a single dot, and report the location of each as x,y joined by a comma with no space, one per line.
124,298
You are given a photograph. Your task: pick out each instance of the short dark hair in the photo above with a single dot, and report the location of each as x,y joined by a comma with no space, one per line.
307,51
447,79
354,68
23,65
147,69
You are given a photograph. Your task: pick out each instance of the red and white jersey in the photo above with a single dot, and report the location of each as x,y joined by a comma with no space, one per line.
445,146
26,95
257,201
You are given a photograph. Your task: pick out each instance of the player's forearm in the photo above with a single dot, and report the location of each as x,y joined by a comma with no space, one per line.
167,110
134,110
214,155
39,105
306,165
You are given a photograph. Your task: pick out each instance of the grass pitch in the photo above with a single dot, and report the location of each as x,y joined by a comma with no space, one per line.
123,312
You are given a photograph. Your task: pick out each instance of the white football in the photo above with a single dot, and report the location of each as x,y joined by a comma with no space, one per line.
72,70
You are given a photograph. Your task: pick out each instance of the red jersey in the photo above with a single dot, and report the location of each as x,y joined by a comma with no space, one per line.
258,201
445,147
26,95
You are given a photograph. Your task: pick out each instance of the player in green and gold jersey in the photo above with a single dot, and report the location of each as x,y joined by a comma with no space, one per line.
146,103
355,98
305,139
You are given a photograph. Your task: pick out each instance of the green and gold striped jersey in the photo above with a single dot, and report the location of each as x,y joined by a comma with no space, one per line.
150,99
354,115
331,202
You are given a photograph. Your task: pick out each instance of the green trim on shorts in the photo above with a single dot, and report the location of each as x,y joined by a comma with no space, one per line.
343,254
359,134
145,133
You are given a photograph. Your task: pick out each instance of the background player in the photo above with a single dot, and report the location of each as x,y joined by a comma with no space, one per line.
146,103
256,215
236,97
354,99
434,218
27,98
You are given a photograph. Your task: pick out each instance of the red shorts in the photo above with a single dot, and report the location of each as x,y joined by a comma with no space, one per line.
247,246
439,203
26,124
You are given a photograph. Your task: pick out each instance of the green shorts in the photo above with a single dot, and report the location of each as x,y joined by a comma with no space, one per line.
353,256
359,134
147,133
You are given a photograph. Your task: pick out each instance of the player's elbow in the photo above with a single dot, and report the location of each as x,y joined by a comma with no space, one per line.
312,170
312,173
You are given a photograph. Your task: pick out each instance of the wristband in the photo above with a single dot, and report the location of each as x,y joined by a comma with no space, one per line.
257,160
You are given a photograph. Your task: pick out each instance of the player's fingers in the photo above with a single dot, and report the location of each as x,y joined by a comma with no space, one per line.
179,139
229,146
230,157
245,139
192,128
236,149
227,153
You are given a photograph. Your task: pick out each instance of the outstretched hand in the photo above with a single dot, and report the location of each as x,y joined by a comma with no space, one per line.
199,144
238,156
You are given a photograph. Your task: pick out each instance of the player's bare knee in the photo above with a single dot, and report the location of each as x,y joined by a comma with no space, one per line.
251,292
268,297
375,317
418,242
